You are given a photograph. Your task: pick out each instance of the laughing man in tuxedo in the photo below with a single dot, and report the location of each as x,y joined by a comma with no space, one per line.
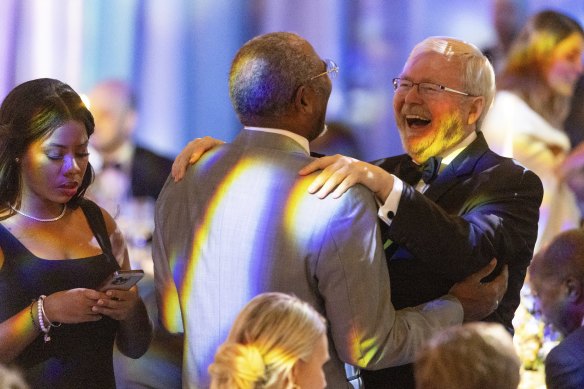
477,205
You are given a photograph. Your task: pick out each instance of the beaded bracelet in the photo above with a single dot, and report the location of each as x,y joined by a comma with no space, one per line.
41,320
51,324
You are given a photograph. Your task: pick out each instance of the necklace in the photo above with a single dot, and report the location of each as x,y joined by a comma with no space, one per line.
38,219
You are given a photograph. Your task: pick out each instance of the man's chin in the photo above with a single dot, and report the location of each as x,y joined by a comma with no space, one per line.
416,146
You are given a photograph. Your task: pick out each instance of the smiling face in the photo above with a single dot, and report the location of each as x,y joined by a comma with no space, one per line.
53,167
565,65
432,123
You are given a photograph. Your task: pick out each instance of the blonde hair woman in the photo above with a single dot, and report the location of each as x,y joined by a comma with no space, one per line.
276,342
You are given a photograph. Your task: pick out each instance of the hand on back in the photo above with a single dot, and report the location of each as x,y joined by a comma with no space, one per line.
480,299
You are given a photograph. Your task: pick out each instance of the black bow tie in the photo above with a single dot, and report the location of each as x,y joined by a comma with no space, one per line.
429,169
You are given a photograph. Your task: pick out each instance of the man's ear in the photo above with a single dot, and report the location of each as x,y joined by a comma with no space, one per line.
575,292
476,109
303,99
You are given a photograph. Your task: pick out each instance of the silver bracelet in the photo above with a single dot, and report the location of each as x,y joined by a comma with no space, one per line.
51,324
41,312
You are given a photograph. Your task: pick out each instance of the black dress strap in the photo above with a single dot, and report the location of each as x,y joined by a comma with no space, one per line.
97,223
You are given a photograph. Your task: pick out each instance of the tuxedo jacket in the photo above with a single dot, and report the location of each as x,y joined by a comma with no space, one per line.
481,206
242,222
148,173
564,365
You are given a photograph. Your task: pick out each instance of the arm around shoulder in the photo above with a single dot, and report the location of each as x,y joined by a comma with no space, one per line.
354,281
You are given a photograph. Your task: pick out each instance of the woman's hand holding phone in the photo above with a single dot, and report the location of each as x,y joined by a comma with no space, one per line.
121,294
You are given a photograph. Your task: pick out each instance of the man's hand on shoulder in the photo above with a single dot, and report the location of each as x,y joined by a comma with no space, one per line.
191,154
480,299
339,173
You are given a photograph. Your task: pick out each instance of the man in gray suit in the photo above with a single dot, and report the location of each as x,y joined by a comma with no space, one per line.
242,222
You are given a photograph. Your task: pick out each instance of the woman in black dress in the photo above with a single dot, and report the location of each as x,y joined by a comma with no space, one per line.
56,248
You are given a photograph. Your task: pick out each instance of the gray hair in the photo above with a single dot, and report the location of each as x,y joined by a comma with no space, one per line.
266,72
478,78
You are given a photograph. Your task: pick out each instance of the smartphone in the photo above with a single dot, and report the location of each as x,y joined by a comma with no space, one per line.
121,280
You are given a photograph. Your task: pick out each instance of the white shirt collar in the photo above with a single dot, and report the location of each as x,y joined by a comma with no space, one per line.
299,139
461,146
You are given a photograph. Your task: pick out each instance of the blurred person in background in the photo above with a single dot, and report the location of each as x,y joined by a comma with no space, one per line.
557,279
571,171
574,124
128,179
123,169
572,168
336,139
277,341
508,16
56,248
470,356
526,122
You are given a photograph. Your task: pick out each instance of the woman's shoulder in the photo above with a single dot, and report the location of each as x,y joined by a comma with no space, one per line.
94,211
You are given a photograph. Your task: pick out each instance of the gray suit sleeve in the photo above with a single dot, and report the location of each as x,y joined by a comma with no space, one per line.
353,279
166,291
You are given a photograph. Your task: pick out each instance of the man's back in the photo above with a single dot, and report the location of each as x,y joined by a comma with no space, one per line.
242,222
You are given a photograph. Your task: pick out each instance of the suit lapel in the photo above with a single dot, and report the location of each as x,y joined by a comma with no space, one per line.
461,167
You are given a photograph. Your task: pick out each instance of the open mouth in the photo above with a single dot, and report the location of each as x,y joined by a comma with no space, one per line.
417,121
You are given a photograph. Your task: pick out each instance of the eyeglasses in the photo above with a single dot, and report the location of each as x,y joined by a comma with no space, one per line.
331,69
424,88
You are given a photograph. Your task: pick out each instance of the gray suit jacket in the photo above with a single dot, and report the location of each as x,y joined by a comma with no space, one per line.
242,222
